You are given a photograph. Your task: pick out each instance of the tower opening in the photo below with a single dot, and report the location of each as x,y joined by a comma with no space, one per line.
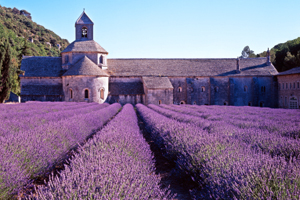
84,32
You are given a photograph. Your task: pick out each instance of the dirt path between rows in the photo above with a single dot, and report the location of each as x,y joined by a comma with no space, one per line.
178,183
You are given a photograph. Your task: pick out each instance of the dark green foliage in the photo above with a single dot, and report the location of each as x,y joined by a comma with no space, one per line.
285,56
6,69
26,38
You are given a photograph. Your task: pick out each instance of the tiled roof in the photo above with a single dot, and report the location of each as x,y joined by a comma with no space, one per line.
84,46
41,90
126,88
189,67
41,66
157,82
85,66
295,70
84,19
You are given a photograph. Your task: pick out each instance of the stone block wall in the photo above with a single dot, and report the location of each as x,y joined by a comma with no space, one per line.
179,95
288,90
159,96
78,84
219,91
198,90
241,91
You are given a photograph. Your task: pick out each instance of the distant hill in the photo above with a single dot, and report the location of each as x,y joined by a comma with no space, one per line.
17,26
285,56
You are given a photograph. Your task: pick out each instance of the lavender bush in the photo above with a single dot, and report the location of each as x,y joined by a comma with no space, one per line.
223,166
248,127
116,164
28,153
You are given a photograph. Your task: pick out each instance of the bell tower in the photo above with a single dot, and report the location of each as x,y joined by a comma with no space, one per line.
84,27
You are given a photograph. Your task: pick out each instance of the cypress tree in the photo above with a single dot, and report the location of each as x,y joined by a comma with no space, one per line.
6,70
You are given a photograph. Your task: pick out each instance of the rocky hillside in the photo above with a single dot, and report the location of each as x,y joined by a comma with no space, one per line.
18,27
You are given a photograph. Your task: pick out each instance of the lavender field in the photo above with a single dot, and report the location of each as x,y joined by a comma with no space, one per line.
228,152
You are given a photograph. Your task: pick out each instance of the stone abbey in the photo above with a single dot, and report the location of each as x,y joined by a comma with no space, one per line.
85,73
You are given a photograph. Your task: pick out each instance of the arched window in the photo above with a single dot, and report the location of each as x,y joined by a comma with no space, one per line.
293,103
71,93
182,102
283,86
245,88
86,93
286,85
159,102
202,89
225,103
194,103
179,89
263,88
290,85
216,89
249,103
101,59
102,93
261,104
84,32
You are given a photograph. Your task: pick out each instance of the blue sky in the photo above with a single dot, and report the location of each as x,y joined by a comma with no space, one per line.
172,28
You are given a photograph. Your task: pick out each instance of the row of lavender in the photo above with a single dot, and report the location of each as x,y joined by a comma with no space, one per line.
116,164
257,134
32,143
217,157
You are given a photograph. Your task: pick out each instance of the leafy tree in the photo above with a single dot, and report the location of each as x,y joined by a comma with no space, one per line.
6,70
247,53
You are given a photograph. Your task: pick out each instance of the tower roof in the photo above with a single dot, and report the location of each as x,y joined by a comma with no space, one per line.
84,46
84,19
85,67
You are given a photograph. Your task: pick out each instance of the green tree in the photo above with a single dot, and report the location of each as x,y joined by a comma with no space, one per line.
247,53
6,70
291,61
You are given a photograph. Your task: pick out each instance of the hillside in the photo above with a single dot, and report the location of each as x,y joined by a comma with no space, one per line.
17,25
285,56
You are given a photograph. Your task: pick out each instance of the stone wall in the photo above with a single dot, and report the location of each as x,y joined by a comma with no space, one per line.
198,91
78,31
180,89
126,90
78,85
288,90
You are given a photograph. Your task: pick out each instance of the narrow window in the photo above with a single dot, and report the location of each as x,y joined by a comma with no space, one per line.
294,85
298,85
66,58
202,89
245,88
101,59
71,94
84,32
286,85
290,85
179,89
86,93
285,101
281,101
261,104
216,89
249,103
279,86
194,103
159,102
283,86
264,88
102,93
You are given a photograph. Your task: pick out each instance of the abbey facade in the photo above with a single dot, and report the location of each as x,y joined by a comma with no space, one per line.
85,73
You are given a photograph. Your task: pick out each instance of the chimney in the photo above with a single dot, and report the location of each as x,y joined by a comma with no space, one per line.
238,65
268,58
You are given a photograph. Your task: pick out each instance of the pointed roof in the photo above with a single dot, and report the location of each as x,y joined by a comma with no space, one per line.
84,46
85,67
84,19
